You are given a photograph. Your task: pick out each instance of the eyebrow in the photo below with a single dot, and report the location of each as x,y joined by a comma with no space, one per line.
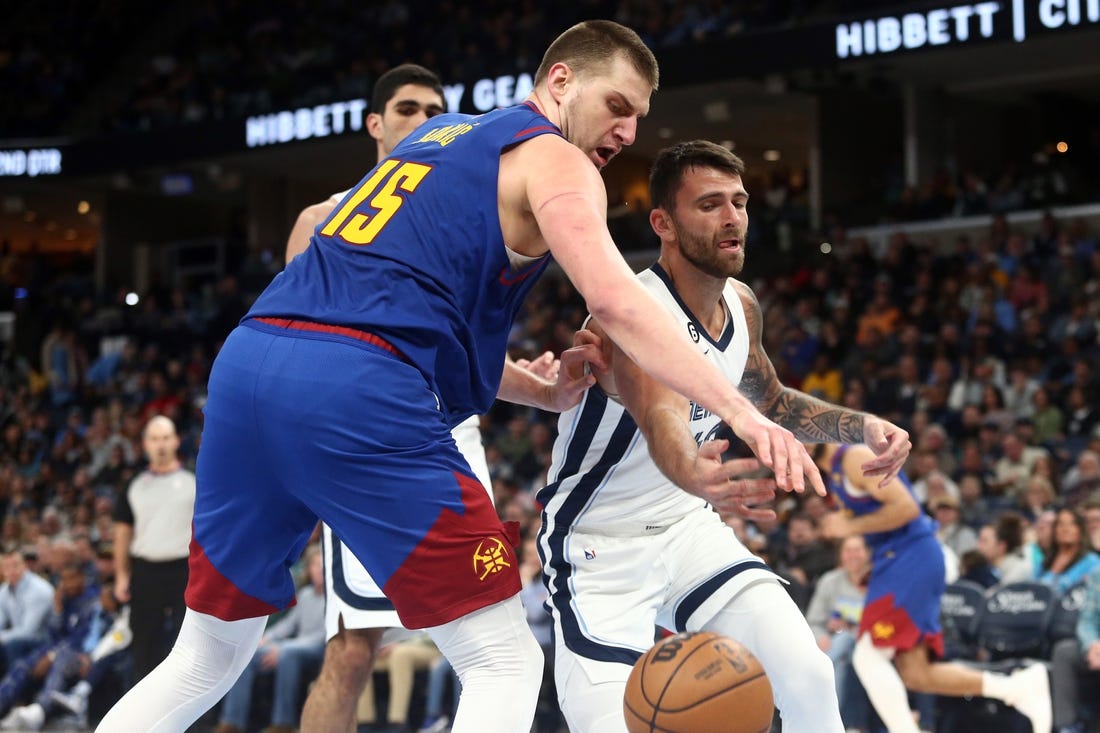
721,195
630,108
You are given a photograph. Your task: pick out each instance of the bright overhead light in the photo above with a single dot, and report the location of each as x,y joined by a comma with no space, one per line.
83,207
826,248
1062,146
132,298
771,155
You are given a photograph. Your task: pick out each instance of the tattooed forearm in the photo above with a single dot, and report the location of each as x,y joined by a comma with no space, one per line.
815,420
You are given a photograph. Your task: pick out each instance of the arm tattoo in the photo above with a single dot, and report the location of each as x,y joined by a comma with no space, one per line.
812,419
809,418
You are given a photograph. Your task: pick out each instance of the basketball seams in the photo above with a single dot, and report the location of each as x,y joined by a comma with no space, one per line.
668,680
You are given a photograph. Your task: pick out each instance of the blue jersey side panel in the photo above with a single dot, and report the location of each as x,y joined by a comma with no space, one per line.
414,254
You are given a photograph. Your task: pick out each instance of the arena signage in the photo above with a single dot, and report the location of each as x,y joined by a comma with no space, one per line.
961,24
337,118
31,163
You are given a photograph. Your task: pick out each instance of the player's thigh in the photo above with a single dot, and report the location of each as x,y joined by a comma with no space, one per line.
604,595
708,566
373,457
248,529
590,694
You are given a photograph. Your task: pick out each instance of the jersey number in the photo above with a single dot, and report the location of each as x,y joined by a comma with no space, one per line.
381,189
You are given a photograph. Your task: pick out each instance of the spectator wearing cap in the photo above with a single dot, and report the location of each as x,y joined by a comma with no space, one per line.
26,601
952,532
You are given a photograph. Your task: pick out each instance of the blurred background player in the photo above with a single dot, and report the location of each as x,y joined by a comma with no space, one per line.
899,633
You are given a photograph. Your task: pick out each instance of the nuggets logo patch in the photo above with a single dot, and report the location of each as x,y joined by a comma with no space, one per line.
490,557
882,630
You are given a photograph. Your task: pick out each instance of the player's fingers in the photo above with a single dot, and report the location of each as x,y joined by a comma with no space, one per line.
713,449
523,363
576,357
784,471
811,471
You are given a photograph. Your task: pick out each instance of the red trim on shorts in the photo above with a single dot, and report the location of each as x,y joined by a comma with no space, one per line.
365,336
890,627
464,563
208,591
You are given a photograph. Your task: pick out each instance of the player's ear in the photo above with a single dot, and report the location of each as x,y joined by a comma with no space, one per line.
661,223
374,125
559,79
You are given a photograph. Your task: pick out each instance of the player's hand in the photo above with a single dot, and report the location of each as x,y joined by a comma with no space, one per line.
777,448
835,526
270,657
891,446
728,486
545,365
577,370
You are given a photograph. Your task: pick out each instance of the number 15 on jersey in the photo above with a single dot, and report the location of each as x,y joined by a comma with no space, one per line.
382,190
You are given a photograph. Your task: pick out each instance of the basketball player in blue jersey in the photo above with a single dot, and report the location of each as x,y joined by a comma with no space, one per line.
335,396
899,632
630,538
356,610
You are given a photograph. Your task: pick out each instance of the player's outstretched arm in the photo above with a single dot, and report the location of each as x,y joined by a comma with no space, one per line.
566,196
304,226
898,505
811,419
554,384
698,469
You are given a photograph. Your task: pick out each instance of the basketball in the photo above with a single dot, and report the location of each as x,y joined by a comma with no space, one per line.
698,682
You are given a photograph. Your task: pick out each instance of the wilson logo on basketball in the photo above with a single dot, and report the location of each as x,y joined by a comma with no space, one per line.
490,558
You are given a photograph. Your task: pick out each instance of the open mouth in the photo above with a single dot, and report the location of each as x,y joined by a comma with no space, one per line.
734,244
604,155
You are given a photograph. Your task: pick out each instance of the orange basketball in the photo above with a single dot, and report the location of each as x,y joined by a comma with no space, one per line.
698,682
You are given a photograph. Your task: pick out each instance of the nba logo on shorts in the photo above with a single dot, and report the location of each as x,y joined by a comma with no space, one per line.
589,553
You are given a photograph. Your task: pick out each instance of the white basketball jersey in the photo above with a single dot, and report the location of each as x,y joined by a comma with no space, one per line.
602,477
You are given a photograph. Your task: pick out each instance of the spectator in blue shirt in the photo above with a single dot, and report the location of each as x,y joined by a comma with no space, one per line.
25,603
1070,558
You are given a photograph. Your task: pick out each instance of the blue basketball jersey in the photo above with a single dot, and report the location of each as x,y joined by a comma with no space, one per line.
879,542
414,254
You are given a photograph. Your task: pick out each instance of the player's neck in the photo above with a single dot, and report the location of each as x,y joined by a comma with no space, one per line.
549,109
700,292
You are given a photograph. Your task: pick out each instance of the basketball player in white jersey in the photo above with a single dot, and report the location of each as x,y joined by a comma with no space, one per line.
356,610
630,539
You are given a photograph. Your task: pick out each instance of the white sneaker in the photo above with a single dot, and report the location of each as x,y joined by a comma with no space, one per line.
29,717
1032,696
75,704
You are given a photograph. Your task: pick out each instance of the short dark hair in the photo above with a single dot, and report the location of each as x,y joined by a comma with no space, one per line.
668,169
1009,529
388,84
589,44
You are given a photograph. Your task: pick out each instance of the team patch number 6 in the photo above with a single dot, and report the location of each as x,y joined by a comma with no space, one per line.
381,188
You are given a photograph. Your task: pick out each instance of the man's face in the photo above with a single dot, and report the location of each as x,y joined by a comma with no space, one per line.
161,443
710,221
13,568
853,554
71,582
411,105
600,109
988,544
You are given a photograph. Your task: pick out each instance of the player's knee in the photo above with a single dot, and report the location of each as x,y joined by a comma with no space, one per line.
349,658
815,675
